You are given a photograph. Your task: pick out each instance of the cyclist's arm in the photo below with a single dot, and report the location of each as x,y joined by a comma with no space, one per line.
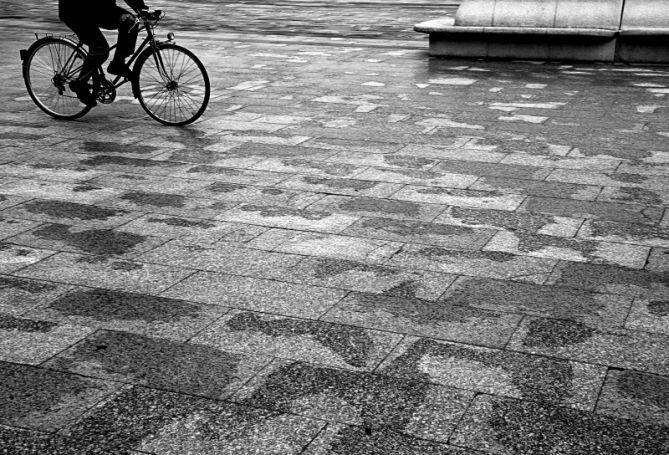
137,5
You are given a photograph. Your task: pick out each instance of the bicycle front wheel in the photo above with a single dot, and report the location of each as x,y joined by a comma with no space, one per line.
49,67
172,85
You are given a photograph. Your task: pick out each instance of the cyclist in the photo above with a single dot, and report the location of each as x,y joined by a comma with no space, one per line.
86,18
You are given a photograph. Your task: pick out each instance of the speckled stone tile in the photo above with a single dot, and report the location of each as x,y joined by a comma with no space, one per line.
46,400
638,234
358,398
575,340
168,423
650,315
232,175
390,160
234,192
410,315
491,264
24,442
285,217
495,169
117,143
341,439
117,163
417,177
587,163
326,245
32,340
105,272
130,312
600,310
548,246
497,372
168,204
358,276
537,188
658,260
335,345
18,295
507,426
148,183
308,167
448,236
256,294
76,239
624,213
634,195
494,200
238,261
11,226
611,279
16,257
512,221
79,193
10,200
375,207
54,211
351,187
457,150
608,179
159,363
636,396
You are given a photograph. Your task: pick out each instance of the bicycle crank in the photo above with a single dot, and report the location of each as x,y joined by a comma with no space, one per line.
106,93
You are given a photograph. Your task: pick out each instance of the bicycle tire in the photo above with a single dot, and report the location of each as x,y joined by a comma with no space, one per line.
178,97
47,79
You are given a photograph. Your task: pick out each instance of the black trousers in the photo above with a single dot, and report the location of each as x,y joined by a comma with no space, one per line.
88,31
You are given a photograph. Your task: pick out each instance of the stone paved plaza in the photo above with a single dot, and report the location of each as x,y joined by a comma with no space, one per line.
358,250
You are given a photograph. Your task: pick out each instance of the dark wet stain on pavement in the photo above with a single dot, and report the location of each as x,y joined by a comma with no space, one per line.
8,322
72,210
154,199
96,241
553,333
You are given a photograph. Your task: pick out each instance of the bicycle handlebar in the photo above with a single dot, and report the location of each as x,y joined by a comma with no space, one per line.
154,15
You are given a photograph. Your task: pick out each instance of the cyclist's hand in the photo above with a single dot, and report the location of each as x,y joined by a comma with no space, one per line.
150,15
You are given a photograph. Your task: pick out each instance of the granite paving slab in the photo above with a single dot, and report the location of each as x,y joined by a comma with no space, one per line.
334,345
223,257
168,204
574,340
497,372
231,175
414,316
636,396
494,200
131,165
341,439
76,239
46,400
598,309
326,245
159,363
16,257
650,315
153,421
507,426
430,177
256,294
495,169
351,187
376,402
64,212
80,193
658,260
635,195
638,234
18,296
287,217
308,167
257,195
625,213
359,276
148,183
609,179
513,221
612,279
106,272
588,163
537,188
22,441
391,160
458,150
117,143
388,208
491,264
9,200
11,226
138,313
32,341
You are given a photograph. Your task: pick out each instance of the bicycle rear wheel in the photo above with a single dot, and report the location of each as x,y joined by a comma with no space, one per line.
50,65
172,85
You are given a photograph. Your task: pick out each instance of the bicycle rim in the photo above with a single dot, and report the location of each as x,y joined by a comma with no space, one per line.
173,85
48,70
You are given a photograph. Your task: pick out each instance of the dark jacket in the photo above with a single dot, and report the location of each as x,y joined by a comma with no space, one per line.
92,10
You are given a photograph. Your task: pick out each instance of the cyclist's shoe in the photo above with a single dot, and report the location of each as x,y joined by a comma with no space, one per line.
119,69
83,92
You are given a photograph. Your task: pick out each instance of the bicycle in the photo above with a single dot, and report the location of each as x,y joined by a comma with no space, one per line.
168,80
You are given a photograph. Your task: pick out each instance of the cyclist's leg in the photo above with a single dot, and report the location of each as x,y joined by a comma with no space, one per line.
128,30
98,48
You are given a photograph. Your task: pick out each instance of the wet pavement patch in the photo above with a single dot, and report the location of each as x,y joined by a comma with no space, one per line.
552,333
409,228
107,305
101,160
437,252
341,183
114,147
650,389
272,211
31,287
659,308
380,206
73,210
352,344
154,199
601,277
155,362
104,242
25,325
327,267
181,222
220,187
